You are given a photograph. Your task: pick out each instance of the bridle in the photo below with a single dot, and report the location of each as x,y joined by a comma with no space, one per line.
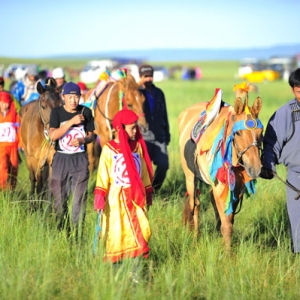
241,153
244,125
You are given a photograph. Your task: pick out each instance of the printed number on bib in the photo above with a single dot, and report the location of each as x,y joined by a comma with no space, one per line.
65,141
7,132
119,169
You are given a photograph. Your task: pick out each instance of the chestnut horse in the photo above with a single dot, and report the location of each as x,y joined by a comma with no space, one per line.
39,151
226,156
123,93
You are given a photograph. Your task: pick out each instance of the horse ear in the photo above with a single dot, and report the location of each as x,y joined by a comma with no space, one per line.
41,90
238,106
256,107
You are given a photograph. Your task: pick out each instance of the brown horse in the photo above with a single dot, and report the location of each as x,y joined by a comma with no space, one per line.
39,151
124,93
226,157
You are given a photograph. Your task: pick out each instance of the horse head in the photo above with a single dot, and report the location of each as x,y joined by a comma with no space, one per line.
49,98
247,134
134,99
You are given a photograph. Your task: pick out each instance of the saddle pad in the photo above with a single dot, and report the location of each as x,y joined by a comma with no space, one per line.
198,128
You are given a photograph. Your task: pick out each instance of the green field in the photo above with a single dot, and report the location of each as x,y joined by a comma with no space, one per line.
37,262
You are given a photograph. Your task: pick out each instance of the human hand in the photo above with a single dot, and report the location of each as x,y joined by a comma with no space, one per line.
266,173
78,119
77,142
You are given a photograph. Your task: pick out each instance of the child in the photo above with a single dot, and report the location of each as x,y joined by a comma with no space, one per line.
9,140
123,190
71,126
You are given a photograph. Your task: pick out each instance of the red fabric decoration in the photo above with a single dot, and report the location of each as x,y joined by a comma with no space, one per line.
126,117
5,97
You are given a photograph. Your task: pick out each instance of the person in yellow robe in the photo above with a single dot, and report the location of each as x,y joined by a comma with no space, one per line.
123,191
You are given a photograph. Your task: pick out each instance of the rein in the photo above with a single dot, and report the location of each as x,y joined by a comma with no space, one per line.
288,185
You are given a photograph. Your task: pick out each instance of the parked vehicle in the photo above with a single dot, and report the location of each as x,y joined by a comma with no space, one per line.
92,70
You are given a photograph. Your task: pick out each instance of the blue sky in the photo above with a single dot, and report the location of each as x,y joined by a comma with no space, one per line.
45,28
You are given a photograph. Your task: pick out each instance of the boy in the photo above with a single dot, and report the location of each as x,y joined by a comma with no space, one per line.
123,190
9,140
71,127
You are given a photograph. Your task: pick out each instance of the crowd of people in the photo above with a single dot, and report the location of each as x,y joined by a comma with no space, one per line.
117,190
125,181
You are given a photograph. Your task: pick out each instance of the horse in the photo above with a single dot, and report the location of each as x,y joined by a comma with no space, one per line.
36,144
223,152
113,96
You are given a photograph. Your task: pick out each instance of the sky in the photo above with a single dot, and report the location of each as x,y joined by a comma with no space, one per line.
33,29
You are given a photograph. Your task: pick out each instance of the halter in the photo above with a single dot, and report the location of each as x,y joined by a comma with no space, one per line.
249,124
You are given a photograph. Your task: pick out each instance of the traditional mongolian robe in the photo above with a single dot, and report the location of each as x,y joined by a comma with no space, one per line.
9,141
125,226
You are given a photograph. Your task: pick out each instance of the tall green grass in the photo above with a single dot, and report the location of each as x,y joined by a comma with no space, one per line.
37,262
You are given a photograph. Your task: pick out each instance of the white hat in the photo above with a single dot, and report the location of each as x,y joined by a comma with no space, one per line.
58,73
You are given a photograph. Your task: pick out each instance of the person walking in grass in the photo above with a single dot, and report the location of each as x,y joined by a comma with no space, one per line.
123,191
281,146
9,142
71,127
158,136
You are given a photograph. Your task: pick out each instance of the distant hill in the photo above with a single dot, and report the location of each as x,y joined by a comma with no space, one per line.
192,54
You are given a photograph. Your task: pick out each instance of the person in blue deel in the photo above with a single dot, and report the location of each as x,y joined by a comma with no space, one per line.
281,146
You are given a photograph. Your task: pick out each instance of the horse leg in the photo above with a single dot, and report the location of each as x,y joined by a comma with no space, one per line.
192,204
91,157
217,215
226,221
32,189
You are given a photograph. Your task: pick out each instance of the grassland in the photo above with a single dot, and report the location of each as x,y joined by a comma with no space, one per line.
37,262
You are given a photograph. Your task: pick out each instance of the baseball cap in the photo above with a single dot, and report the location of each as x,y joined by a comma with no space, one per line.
71,88
58,73
146,70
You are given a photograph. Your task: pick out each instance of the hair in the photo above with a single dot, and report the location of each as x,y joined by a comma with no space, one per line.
294,79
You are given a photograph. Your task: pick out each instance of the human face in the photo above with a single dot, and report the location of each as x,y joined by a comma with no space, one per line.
147,80
59,81
4,106
71,102
296,92
131,130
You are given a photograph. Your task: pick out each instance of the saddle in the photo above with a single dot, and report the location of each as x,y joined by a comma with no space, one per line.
207,116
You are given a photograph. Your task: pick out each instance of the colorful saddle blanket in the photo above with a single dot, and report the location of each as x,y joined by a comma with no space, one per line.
207,116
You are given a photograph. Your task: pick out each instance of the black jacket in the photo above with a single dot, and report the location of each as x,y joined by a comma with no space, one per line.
158,120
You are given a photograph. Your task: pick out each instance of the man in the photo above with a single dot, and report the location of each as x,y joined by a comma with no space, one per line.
25,89
157,137
281,145
59,75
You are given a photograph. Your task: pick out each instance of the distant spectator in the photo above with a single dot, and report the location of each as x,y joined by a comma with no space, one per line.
25,88
59,75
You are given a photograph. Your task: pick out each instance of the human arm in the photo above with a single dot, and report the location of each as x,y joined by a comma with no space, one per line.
279,130
57,133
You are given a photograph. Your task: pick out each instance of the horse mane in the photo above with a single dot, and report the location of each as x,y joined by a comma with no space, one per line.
128,83
242,90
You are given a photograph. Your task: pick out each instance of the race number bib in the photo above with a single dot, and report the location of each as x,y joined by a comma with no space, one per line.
7,132
65,141
120,173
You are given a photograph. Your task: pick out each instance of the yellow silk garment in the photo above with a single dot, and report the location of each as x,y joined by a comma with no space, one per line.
125,226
